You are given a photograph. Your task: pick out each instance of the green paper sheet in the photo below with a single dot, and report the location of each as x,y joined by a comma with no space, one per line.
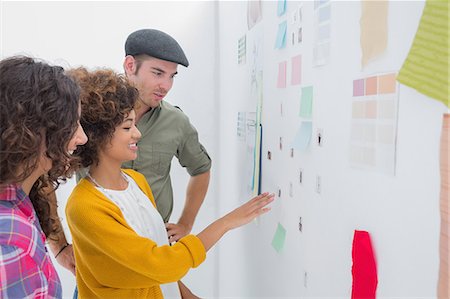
306,102
279,238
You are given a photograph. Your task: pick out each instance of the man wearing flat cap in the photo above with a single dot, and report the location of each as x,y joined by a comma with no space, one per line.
151,62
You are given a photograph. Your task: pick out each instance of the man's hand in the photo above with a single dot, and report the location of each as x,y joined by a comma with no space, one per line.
177,231
67,259
195,194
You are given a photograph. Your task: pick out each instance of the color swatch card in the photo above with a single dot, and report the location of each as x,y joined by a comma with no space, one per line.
374,123
322,32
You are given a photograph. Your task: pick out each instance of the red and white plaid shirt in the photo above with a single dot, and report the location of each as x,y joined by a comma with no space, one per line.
26,270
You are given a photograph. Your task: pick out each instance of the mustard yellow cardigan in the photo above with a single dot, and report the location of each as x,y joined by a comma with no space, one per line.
112,261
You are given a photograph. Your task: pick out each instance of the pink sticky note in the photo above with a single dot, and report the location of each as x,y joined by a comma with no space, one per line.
282,74
296,76
358,87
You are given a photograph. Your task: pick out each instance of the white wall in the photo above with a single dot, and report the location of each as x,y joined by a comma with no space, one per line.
401,211
93,34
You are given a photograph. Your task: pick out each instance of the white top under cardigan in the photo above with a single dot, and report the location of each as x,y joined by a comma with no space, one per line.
144,219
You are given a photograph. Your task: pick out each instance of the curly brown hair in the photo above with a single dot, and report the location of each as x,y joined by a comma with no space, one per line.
106,100
38,106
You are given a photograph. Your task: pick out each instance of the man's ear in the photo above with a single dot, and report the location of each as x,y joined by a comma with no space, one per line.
129,65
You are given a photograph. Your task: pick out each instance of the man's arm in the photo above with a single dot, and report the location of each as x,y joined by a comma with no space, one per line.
195,194
57,243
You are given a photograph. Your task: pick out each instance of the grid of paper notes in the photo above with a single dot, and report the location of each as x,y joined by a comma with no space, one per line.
374,123
322,29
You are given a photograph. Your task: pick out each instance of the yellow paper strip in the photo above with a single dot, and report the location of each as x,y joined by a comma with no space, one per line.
426,67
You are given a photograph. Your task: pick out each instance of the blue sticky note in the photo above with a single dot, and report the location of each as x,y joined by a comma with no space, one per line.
303,136
279,238
281,7
281,35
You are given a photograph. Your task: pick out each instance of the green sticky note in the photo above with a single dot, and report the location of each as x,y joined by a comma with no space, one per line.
306,102
279,238
426,67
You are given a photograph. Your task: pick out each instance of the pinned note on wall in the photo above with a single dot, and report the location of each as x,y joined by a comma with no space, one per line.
254,13
296,70
279,238
281,7
281,82
306,102
281,35
303,136
373,28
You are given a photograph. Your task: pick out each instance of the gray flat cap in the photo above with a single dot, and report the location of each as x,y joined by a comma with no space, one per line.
157,44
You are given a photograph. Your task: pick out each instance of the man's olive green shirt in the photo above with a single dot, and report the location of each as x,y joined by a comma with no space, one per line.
167,132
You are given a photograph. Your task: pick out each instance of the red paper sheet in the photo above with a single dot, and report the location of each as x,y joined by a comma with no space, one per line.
364,269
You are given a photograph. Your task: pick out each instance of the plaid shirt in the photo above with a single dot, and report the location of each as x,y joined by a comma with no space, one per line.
26,270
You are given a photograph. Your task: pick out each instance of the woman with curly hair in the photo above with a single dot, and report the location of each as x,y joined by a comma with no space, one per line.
39,129
120,240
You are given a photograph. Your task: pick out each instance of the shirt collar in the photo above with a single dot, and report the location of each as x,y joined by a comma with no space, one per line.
152,111
12,192
15,194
